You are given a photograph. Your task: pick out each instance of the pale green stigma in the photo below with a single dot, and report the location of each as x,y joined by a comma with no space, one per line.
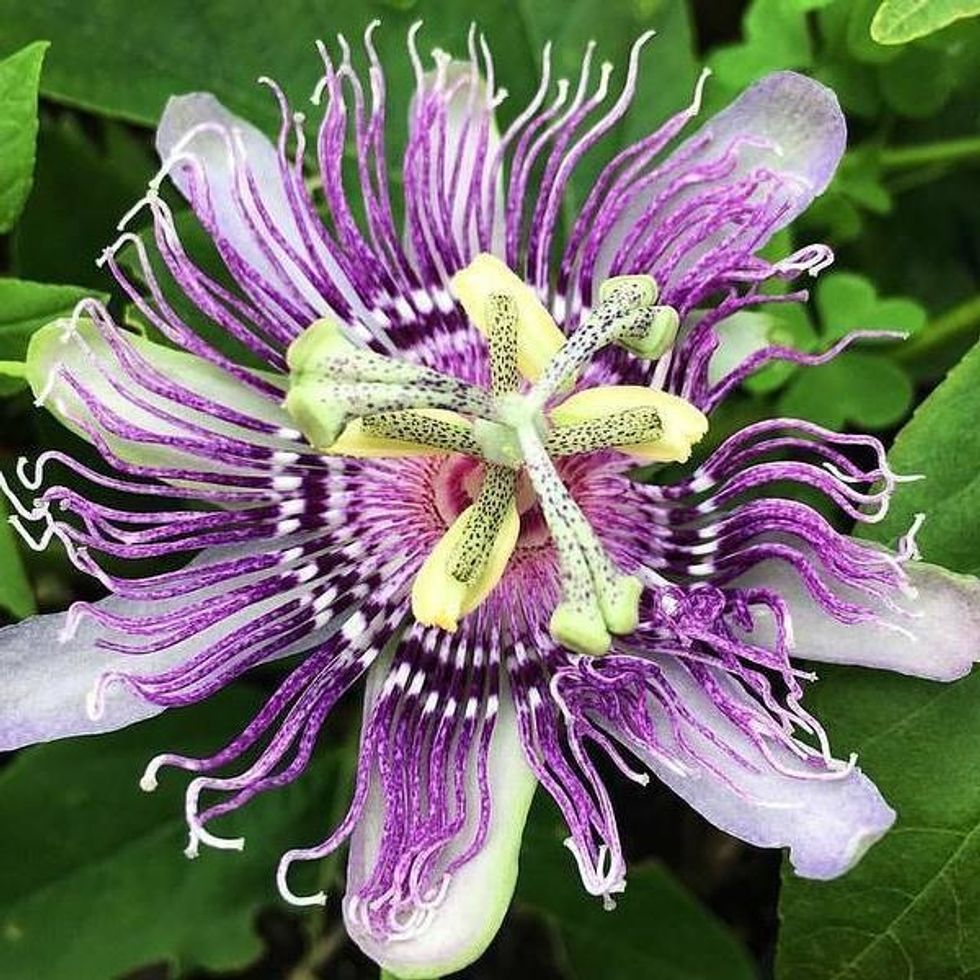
332,382
625,315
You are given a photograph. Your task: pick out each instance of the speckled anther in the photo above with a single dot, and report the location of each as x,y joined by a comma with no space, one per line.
439,431
624,428
502,340
495,499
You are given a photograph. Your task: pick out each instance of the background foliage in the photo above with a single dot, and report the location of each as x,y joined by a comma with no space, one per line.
93,883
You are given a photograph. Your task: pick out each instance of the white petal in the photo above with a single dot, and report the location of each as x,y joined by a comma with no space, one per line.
940,639
81,350
45,683
827,824
786,124
740,336
197,126
480,893
801,125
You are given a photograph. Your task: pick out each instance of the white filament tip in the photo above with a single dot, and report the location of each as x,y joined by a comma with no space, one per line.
288,895
94,703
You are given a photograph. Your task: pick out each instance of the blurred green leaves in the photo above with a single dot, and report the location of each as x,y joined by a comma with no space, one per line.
775,36
657,930
901,21
16,596
857,389
19,76
95,880
860,388
910,907
86,179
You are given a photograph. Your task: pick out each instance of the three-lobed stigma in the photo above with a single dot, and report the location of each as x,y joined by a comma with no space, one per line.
351,401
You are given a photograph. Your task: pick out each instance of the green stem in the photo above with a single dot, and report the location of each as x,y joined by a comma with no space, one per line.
956,324
944,151
13,369
321,952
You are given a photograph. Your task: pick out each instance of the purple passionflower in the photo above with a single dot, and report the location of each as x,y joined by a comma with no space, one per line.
429,482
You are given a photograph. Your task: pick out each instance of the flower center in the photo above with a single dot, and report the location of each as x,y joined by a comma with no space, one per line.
351,401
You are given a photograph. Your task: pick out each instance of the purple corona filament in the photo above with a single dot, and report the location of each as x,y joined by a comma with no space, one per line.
303,554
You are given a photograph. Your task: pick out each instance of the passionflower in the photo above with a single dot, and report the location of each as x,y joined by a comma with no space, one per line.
403,453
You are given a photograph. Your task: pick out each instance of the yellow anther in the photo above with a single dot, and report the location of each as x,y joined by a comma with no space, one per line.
538,336
683,424
357,442
439,599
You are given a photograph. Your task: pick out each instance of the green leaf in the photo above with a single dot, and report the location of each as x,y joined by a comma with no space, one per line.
86,179
860,45
856,85
859,387
906,909
909,907
942,442
19,77
658,929
847,302
16,595
27,306
918,82
790,326
901,21
106,887
857,188
24,308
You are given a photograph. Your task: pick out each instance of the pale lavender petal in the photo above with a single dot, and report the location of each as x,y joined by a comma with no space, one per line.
739,337
83,671
934,633
827,816
799,132
696,219
46,682
257,210
461,898
153,405
454,201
